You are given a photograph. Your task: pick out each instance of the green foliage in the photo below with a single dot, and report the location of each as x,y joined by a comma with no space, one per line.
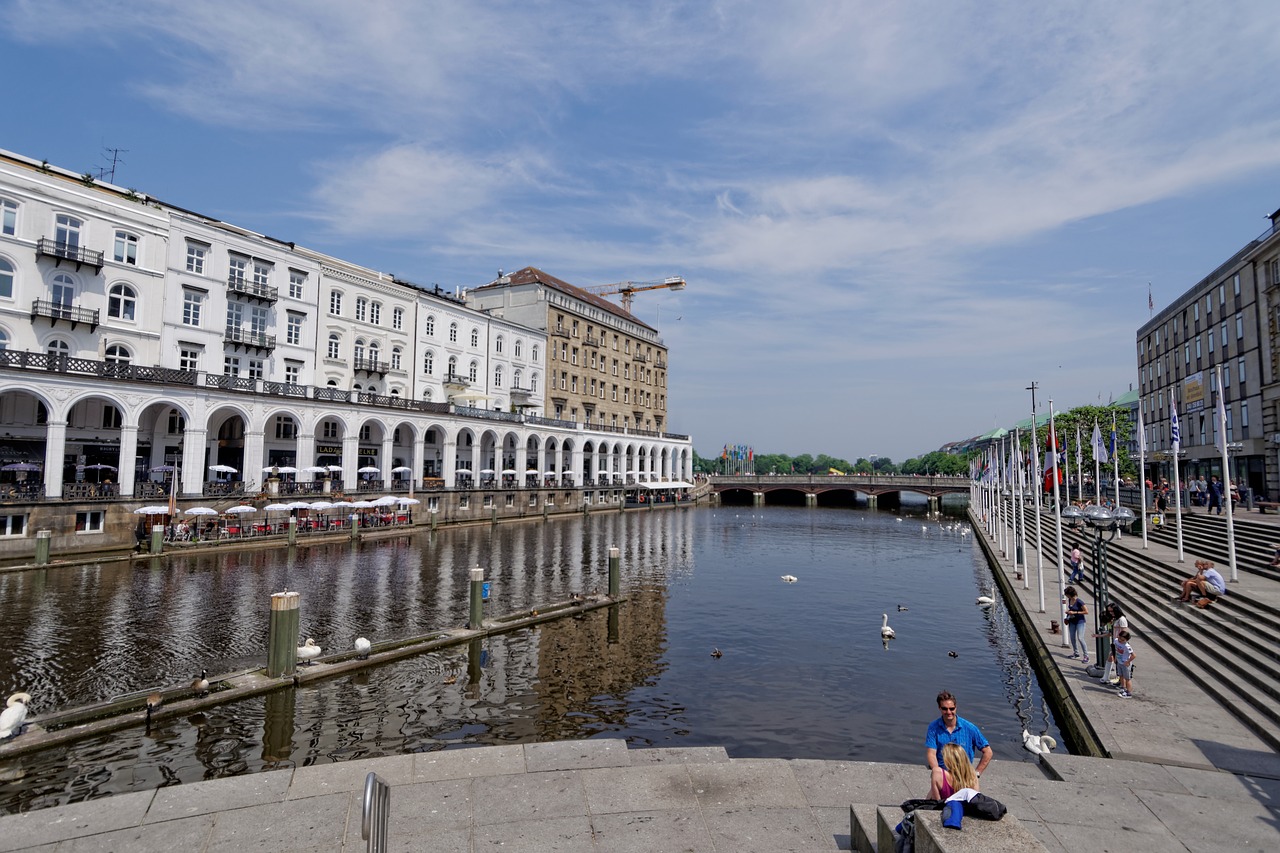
87,179
1084,417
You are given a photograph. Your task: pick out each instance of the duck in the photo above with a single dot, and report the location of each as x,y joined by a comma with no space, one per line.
885,631
789,578
953,654
902,609
309,651
1038,744
155,700
988,599
14,715
201,683
362,648
716,653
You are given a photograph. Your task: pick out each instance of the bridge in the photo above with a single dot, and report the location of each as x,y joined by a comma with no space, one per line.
830,490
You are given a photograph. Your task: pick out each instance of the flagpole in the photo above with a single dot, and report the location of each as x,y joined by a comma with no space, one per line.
1037,484
1115,458
1057,517
1176,437
1226,486
1020,508
1142,471
1097,464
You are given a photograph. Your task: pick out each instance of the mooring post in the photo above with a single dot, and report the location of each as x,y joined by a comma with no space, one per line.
157,538
42,547
433,521
493,514
282,653
477,599
615,565
293,530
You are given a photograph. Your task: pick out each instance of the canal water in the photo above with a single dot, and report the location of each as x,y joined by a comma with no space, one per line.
803,671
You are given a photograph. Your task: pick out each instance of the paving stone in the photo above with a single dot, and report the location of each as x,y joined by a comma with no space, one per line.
316,823
1090,805
468,763
576,755
747,782
528,796
679,754
838,783
638,789
1113,773
1214,825
439,839
673,831
349,776
43,826
1229,786
219,795
570,834
190,833
1104,838
833,825
757,829
427,806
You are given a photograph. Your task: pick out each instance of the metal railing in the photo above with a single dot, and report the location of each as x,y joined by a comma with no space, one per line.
255,291
369,365
62,311
230,383
260,340
64,251
375,814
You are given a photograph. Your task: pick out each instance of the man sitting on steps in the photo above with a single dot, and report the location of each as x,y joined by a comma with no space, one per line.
1207,581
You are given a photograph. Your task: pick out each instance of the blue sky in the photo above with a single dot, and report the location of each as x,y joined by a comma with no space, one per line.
893,216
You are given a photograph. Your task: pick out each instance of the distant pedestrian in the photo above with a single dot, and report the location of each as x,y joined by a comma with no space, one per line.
1215,496
1077,566
1076,613
1124,664
1115,623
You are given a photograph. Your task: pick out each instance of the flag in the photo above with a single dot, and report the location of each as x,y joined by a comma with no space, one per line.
1142,434
1051,469
173,492
1115,456
1079,450
1099,448
1151,303
1221,443
1175,436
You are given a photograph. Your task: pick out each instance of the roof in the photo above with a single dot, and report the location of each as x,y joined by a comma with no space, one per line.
533,275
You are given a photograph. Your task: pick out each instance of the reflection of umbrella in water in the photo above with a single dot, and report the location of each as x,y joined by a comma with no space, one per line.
202,510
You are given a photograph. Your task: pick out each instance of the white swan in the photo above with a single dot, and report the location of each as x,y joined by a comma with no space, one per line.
308,651
790,578
885,631
14,715
988,599
362,647
1039,744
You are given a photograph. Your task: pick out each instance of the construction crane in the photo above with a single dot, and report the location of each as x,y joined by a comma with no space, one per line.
629,288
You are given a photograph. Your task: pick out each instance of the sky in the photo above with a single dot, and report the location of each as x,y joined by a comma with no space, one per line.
893,216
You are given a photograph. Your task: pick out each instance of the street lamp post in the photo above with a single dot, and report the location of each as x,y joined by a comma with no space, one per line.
1103,520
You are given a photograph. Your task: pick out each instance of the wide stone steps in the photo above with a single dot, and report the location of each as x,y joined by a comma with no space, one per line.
1206,537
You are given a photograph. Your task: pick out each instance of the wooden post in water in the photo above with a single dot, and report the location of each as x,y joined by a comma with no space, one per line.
282,651
293,530
493,513
433,521
157,538
477,599
42,547
615,574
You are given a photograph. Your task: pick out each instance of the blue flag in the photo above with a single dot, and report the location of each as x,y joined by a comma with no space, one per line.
1175,435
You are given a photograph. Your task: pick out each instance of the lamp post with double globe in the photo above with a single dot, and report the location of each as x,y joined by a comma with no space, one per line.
1106,524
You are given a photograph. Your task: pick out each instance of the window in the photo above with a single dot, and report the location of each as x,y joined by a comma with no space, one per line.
117,354
428,362
6,279
473,373
4,340
373,352
497,344
195,257
231,365
335,303
297,284
516,376
258,315
335,346
121,302
534,355
329,429
1211,342
497,376
453,366
362,308
286,427
1240,372
429,327
89,522
8,217
293,373
1244,418
375,313
397,318
261,274
255,369
188,358
235,315
192,302
518,348
293,329
366,432
126,248
453,333
236,269
358,350
533,382
1239,327
13,525
574,358
615,394
395,358
475,337
1235,284
67,231
111,417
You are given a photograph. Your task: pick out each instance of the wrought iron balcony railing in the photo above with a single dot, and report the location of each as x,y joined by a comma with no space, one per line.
56,311
62,251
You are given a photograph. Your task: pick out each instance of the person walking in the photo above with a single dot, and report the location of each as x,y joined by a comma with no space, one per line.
1115,624
1076,613
1077,566
1215,496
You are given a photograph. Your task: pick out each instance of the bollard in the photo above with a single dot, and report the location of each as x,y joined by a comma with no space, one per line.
615,561
42,547
477,599
433,521
493,514
545,509
282,652
157,538
293,530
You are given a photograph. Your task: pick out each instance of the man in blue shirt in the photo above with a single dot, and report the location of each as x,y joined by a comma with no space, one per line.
950,728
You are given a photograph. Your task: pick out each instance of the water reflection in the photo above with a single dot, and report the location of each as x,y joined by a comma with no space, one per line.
803,674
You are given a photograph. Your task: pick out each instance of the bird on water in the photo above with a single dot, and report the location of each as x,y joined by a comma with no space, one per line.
14,715
716,653
201,684
988,599
902,609
885,631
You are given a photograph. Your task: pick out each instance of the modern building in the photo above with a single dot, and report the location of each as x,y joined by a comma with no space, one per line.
605,367
1226,323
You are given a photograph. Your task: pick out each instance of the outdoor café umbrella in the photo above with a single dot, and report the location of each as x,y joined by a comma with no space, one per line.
277,508
99,466
462,472
317,505
531,472
20,466
151,510
509,471
387,500
318,469
163,469
201,510
242,509
408,501
486,470
286,469
334,467
369,469
402,469
221,469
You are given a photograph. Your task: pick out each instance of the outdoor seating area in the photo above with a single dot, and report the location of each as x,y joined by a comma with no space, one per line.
244,521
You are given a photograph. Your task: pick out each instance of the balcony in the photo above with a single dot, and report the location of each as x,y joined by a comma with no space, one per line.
661,364
591,341
249,339
371,366
640,357
456,380
250,290
72,252
56,311
560,332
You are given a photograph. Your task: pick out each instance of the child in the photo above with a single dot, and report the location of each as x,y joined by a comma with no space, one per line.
1124,664
957,771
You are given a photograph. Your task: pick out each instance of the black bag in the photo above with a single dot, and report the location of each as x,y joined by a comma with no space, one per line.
984,807
922,803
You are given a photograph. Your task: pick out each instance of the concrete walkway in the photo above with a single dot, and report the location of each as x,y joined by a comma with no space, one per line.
1185,776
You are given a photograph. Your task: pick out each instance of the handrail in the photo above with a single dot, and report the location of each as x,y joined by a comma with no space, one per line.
375,813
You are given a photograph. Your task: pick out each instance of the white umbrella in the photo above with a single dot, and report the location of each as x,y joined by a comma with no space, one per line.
151,510
318,469
100,466
362,505
402,469
159,469
277,508
549,473
386,500
301,504
369,469
507,471
242,509
221,469
333,467
617,475
463,472
20,466
339,504
319,505
486,470
408,501
531,472
202,510
286,469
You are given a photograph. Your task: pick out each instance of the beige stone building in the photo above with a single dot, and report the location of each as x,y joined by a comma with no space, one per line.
604,367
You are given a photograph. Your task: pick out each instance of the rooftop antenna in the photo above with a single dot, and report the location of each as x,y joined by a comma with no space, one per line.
113,157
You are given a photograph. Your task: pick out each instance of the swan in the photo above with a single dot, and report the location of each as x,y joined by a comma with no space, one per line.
790,578
308,651
988,599
885,630
201,684
1038,744
362,648
14,715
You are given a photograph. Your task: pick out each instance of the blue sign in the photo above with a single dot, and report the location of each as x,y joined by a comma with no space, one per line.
484,592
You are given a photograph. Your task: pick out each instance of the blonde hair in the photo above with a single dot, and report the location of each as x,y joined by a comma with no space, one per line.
958,767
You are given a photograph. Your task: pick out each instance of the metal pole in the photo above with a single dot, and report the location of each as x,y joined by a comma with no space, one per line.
1038,486
1226,486
1057,515
1177,479
1142,472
